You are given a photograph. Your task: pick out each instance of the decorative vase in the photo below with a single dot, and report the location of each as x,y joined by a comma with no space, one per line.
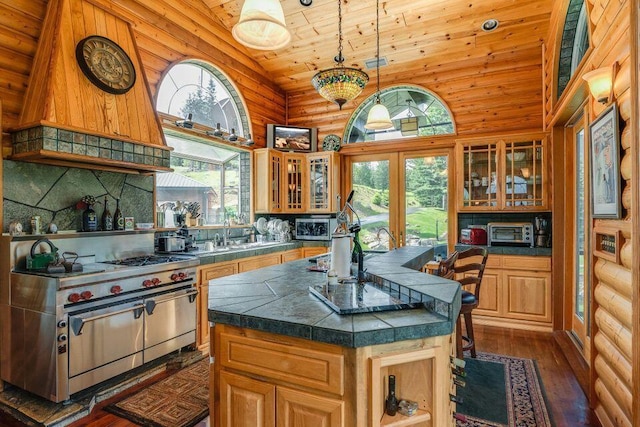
89,219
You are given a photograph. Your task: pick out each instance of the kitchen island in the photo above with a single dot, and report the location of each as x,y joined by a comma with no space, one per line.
283,355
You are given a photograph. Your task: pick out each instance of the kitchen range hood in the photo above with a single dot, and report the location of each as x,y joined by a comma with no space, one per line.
96,114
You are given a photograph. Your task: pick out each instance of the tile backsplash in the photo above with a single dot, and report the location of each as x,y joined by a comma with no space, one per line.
52,192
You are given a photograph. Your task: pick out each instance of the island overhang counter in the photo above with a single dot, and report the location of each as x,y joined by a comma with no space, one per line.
281,355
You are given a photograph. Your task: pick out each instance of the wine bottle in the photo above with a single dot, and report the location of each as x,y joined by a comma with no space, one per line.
118,219
391,404
107,218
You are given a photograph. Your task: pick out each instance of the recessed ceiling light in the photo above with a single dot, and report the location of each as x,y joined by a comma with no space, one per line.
490,25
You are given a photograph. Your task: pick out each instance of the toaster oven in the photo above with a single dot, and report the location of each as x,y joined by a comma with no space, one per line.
510,234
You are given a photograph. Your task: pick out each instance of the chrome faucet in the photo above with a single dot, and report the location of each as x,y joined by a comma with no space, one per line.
391,238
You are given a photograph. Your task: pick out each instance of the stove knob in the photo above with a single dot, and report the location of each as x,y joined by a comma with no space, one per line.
147,283
174,276
116,289
62,324
155,281
74,297
86,294
182,275
62,337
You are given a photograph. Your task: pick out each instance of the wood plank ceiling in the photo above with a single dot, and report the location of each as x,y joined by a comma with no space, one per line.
490,81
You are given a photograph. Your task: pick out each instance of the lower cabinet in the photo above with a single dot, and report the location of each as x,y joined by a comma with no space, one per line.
313,251
265,379
260,261
516,291
245,401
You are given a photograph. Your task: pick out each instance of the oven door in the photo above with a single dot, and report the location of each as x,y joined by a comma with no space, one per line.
170,322
103,343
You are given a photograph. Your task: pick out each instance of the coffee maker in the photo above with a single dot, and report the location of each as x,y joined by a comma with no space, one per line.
541,232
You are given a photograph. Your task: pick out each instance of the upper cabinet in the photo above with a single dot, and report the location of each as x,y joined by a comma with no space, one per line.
289,182
503,174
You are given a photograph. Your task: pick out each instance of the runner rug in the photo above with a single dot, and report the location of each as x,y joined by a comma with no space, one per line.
502,391
181,400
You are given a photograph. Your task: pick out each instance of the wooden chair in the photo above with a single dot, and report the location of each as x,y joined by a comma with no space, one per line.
468,271
445,269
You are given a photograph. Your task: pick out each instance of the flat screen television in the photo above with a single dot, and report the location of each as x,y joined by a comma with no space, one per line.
292,138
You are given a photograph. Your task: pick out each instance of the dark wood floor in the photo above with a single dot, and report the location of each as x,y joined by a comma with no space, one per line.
568,404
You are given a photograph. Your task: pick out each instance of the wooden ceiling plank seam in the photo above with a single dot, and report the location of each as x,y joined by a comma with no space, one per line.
11,39
34,8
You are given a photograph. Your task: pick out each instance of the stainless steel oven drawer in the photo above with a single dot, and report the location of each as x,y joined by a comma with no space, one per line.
102,336
169,316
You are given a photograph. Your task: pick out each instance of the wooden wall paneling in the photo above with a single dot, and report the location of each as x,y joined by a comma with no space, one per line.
615,331
608,351
616,276
615,304
615,386
630,251
611,406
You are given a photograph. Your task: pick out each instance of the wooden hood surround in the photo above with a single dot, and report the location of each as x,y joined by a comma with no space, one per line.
66,120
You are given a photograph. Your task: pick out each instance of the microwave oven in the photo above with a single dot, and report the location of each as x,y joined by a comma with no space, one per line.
315,228
510,234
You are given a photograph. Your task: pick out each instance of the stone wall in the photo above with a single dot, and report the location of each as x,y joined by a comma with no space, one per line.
52,192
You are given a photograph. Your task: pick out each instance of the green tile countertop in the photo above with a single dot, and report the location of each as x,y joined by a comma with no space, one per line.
276,299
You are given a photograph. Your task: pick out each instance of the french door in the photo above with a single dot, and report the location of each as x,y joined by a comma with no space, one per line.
407,193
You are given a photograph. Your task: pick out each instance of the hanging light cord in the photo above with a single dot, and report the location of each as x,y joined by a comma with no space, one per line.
339,59
377,51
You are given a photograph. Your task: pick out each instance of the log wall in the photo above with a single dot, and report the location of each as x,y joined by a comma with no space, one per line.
614,302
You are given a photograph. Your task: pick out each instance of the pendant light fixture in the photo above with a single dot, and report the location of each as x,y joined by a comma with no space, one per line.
340,84
261,25
378,118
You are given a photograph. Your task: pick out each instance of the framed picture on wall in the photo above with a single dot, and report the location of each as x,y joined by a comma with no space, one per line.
605,164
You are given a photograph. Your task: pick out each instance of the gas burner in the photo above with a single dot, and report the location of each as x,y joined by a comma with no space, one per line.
139,261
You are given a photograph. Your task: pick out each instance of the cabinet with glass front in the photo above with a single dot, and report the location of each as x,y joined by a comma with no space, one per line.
504,174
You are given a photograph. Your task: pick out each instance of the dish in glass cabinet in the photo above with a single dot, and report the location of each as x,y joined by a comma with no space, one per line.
331,143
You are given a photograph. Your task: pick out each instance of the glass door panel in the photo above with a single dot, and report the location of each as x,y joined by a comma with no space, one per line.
426,200
581,283
370,183
480,185
524,174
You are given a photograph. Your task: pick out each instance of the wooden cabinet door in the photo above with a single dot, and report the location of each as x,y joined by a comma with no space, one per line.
267,177
323,170
489,303
205,274
245,402
292,255
314,250
294,183
260,261
527,295
297,408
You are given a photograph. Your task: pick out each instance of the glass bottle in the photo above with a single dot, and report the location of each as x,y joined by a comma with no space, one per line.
391,404
89,219
107,218
118,219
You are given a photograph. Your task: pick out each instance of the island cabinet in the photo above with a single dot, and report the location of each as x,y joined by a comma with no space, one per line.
516,292
508,174
266,379
289,182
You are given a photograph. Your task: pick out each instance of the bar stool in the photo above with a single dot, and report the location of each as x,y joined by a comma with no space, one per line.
468,271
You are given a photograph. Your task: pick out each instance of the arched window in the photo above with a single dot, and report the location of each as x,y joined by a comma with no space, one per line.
197,88
210,175
414,112
575,42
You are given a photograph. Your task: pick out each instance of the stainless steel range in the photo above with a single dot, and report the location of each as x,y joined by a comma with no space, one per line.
64,332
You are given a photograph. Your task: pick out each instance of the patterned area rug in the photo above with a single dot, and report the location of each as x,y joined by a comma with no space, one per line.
180,400
502,391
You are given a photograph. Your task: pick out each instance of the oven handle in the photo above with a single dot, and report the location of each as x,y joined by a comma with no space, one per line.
77,322
150,304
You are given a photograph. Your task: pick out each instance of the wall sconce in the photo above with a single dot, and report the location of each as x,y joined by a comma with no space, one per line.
600,82
525,173
292,187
